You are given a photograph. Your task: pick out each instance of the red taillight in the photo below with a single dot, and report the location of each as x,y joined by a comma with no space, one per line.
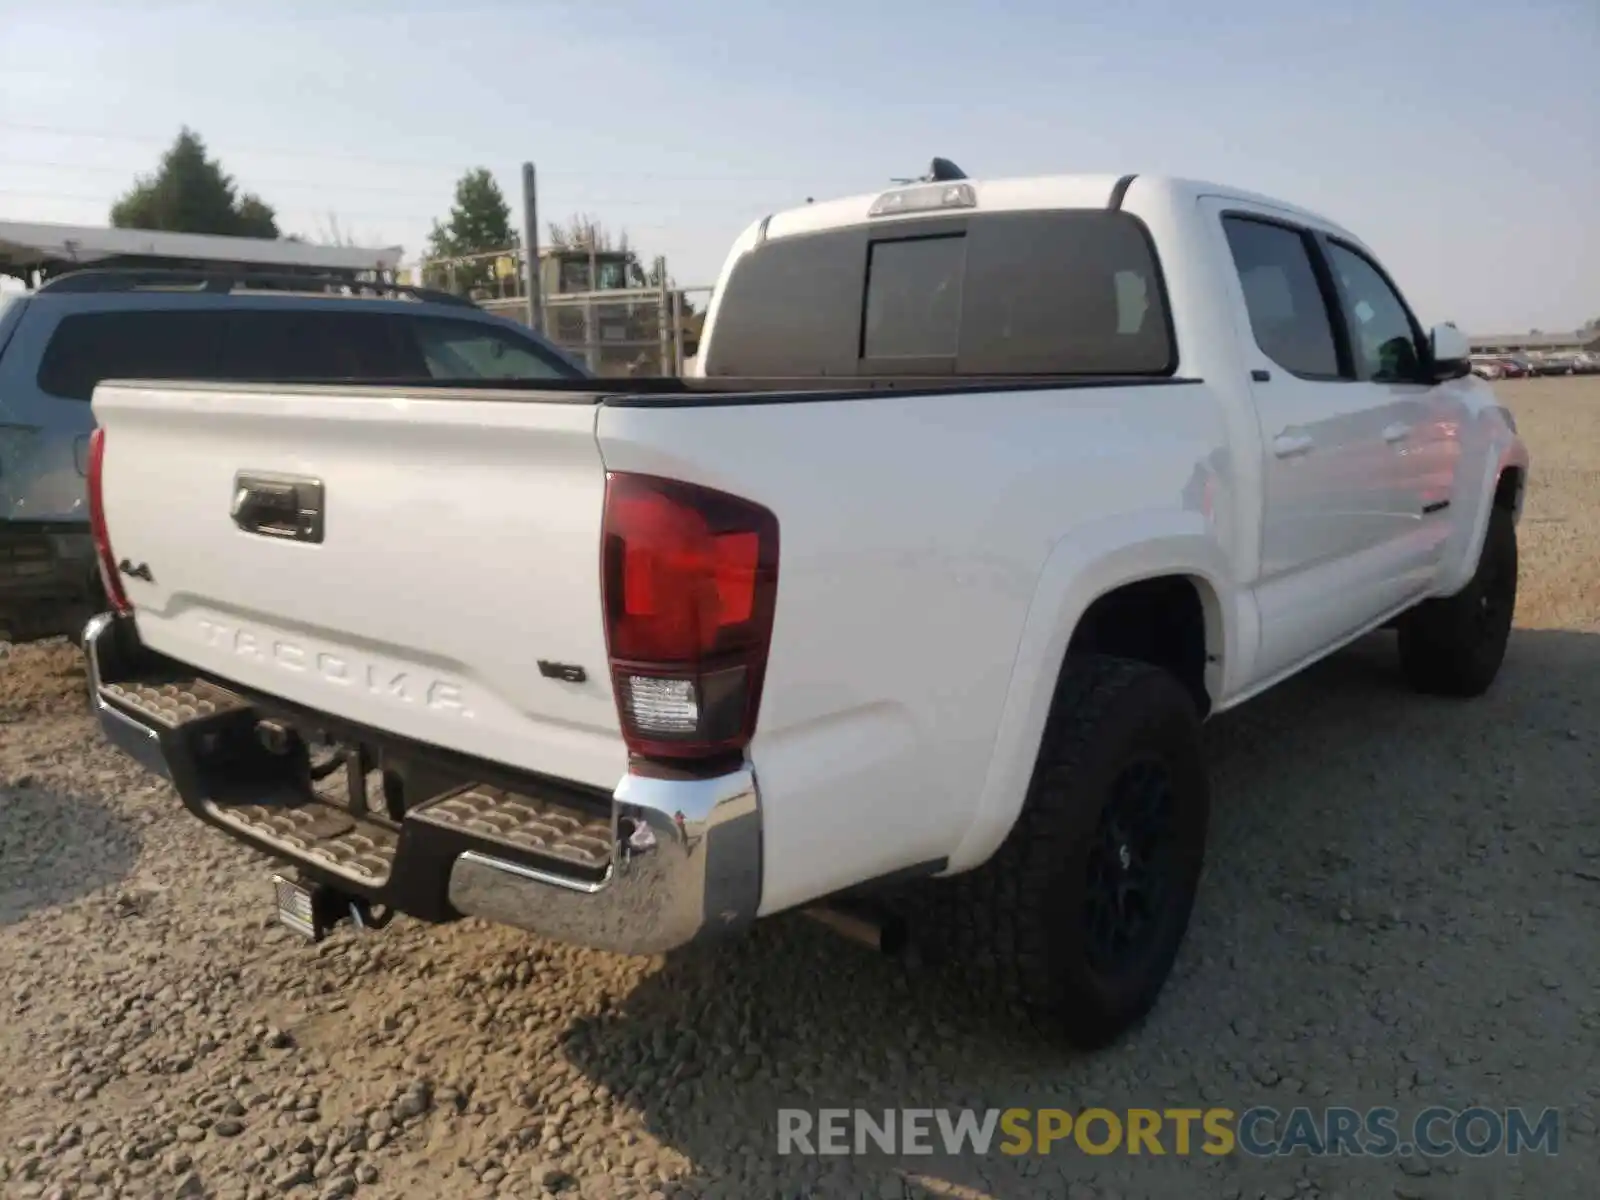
689,578
109,577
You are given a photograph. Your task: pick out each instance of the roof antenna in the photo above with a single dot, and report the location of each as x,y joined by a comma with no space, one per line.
941,170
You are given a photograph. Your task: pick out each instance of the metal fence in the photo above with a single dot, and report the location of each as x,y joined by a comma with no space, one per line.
624,331
616,331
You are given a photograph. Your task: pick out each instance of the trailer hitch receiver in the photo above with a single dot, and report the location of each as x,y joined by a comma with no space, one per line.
314,909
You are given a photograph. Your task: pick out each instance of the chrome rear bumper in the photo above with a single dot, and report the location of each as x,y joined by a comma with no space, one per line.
678,860
135,739
686,865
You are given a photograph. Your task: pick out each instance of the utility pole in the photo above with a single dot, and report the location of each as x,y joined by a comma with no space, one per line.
664,314
591,311
530,247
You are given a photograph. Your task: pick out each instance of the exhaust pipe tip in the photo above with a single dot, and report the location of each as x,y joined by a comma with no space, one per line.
886,934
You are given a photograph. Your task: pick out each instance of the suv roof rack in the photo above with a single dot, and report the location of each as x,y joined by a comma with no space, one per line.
134,279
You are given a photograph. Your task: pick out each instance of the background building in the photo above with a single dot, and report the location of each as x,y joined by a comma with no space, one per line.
1538,343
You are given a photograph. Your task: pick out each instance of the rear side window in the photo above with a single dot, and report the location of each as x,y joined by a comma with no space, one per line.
315,344
1047,293
282,345
472,350
1288,310
88,347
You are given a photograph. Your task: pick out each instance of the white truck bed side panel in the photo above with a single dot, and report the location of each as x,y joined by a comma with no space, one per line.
912,534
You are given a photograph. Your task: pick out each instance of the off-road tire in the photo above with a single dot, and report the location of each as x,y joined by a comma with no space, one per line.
1453,646
1021,920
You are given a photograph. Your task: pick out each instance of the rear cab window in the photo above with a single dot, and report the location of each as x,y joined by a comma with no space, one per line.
1048,292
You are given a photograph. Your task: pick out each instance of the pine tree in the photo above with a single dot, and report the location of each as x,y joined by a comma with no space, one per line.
479,222
190,193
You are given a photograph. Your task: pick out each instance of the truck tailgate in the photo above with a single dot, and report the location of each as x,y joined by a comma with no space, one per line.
459,546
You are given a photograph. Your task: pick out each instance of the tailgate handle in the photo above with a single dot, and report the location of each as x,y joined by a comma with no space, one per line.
278,506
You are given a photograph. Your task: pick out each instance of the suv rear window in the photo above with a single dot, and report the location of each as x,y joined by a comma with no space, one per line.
1058,292
283,345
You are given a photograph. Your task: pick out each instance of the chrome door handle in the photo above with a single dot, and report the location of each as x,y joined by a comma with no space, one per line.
1398,432
1287,445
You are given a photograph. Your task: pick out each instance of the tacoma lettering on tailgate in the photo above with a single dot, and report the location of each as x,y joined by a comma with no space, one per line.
397,684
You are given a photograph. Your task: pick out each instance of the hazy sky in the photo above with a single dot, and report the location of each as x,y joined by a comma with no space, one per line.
1461,138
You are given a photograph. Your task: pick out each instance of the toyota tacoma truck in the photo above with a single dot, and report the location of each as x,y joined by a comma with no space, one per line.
985,495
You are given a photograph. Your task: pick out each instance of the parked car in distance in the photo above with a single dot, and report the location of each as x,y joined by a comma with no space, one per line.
984,497
58,342
1486,366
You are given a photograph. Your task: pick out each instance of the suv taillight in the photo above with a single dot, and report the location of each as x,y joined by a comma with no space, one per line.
689,578
109,578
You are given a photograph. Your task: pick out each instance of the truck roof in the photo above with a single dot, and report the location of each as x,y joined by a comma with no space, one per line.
1030,192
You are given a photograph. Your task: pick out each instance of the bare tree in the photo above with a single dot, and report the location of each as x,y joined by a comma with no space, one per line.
582,231
332,234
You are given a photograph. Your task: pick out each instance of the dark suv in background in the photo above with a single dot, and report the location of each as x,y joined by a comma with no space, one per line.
58,342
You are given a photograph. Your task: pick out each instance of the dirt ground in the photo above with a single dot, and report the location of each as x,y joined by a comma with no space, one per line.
1401,907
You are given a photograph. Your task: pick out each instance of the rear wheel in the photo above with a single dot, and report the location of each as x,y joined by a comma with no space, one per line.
1080,913
1454,646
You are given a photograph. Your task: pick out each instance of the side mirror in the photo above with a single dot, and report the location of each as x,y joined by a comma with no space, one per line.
1450,353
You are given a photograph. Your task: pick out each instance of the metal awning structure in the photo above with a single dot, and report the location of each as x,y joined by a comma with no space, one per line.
27,246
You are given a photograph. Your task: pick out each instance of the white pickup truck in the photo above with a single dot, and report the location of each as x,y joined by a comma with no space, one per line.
984,497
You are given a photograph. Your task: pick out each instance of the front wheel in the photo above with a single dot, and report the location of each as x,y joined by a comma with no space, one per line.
1454,646
1080,913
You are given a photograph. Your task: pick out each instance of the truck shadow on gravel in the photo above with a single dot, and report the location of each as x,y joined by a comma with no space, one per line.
1345,815
56,847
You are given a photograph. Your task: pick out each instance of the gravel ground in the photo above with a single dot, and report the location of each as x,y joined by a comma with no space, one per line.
1402,907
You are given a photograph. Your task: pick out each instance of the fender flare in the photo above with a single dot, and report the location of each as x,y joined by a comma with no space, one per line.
1460,557
1082,567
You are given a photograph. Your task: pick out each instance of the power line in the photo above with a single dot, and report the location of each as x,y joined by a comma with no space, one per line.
129,172
105,136
576,203
426,164
317,185
334,211
80,197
